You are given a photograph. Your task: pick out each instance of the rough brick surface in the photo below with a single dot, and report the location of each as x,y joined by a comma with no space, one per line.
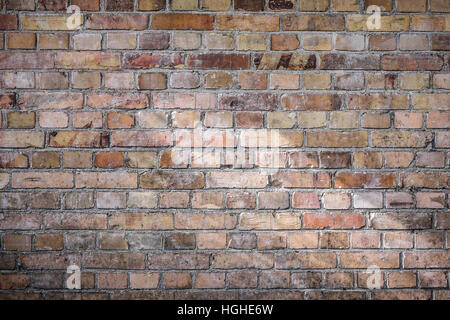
246,149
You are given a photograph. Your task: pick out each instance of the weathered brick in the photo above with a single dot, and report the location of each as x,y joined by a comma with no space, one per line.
311,102
144,280
77,159
26,60
247,101
400,221
16,242
423,259
126,260
20,5
398,240
256,42
122,180
88,60
432,279
211,241
407,62
400,139
21,41
382,42
87,5
79,200
238,260
333,221
317,22
247,22
336,200
340,61
224,61
77,139
306,260
115,120
167,100
391,23
62,180
366,240
53,261
216,5
284,81
53,120
184,80
207,200
263,221
284,42
205,221
21,120
178,261
252,81
424,22
138,138
285,61
47,241
54,41
100,21
151,5
182,21
336,139
45,200
121,41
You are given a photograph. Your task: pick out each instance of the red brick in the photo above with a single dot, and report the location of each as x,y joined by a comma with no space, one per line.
210,280
14,281
305,200
141,139
154,41
62,180
364,180
218,61
87,5
365,259
126,260
152,60
112,281
8,22
180,21
333,221
366,240
423,259
144,280
26,60
397,240
411,62
284,42
306,260
178,261
337,139
16,242
54,261
400,221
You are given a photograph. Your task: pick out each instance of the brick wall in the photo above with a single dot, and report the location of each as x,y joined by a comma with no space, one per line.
127,148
